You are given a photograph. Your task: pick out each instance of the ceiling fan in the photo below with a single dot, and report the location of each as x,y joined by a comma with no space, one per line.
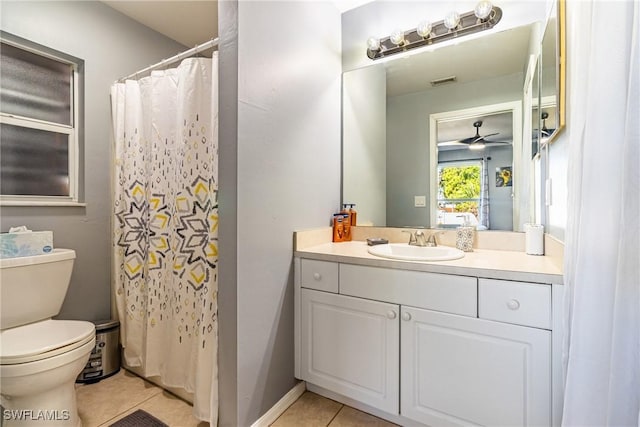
474,142
545,132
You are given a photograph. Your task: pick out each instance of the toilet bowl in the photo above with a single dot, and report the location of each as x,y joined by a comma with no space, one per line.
40,358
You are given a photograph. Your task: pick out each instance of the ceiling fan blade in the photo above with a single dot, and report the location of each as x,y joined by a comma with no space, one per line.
451,143
482,138
470,140
497,142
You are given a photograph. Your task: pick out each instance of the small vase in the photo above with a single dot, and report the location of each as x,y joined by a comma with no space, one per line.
464,238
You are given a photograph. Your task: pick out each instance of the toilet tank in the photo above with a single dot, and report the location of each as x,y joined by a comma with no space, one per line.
33,288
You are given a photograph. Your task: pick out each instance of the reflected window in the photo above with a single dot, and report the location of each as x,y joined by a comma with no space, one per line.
39,103
458,193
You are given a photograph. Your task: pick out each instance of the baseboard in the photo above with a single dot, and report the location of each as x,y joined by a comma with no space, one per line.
278,409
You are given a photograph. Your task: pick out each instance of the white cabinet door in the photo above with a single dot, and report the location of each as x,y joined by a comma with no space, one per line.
462,371
350,346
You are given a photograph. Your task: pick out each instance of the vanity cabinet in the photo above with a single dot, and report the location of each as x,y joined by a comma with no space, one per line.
461,371
350,346
422,348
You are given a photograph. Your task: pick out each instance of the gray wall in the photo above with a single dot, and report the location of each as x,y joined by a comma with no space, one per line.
228,213
112,46
283,174
364,135
408,136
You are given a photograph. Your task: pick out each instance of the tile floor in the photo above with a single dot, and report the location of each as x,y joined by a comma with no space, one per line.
312,410
103,403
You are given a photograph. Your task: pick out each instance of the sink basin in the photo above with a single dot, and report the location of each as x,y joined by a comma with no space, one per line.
406,252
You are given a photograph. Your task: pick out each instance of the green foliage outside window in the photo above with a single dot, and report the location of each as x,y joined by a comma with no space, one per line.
460,182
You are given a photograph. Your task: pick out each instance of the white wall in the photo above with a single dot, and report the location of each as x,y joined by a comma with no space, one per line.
557,210
364,126
112,46
287,168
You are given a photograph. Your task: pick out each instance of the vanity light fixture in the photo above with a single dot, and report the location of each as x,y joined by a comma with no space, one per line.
424,29
485,16
483,10
397,37
452,20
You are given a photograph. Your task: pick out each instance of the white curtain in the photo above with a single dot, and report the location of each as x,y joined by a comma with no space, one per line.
165,236
602,256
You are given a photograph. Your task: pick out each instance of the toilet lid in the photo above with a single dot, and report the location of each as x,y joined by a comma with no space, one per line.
42,340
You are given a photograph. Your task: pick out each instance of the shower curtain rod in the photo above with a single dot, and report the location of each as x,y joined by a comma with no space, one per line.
179,57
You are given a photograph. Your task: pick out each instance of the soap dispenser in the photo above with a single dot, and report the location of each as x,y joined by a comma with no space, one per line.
353,214
346,224
338,228
464,236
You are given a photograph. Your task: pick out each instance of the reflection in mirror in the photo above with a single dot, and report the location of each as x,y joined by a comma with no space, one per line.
535,111
551,113
387,165
474,154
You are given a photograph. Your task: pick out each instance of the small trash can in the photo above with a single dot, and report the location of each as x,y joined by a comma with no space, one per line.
104,360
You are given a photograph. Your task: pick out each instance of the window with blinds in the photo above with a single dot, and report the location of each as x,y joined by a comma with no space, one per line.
39,102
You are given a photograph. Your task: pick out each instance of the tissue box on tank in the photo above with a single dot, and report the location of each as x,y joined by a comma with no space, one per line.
20,244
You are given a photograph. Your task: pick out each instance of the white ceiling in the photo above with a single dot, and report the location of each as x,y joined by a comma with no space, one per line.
185,21
500,124
189,22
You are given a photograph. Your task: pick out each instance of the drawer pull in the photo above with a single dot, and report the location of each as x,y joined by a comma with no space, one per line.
317,276
513,304
391,314
406,316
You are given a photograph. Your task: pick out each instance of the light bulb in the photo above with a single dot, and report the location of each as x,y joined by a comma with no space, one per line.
373,44
397,37
424,29
476,146
452,20
483,9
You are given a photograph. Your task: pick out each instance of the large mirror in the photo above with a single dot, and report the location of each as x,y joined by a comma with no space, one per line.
408,118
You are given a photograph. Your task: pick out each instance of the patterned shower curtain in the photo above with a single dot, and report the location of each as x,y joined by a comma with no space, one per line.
165,226
484,195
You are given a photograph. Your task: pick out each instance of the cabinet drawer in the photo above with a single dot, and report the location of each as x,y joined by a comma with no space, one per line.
320,275
515,302
440,292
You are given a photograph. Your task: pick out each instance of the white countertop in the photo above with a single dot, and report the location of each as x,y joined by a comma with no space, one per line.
487,263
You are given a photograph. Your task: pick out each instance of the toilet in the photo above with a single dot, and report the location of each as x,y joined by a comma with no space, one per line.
40,358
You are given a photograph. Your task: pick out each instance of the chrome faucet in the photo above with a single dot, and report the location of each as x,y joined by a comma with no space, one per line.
412,237
417,238
421,240
431,240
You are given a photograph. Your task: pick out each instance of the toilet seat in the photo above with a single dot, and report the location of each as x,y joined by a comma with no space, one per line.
42,340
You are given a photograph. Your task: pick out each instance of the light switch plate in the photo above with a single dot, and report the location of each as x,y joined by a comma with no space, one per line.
419,201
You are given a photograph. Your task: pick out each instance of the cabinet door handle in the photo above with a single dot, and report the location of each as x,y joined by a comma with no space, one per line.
317,276
406,316
391,314
513,304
